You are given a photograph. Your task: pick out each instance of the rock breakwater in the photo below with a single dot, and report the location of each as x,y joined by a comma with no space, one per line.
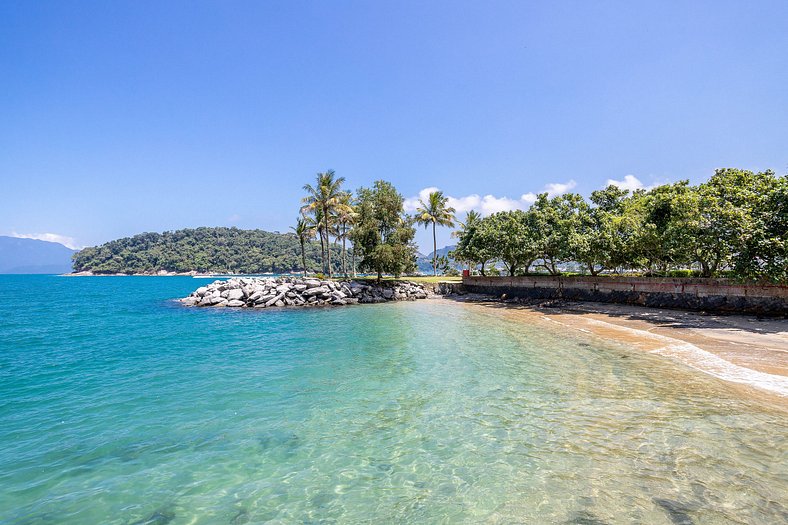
255,292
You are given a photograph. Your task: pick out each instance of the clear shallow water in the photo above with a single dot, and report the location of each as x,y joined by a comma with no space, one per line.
119,406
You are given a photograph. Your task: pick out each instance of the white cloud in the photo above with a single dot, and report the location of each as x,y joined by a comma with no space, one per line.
413,202
233,218
630,183
489,204
558,188
66,241
467,203
529,197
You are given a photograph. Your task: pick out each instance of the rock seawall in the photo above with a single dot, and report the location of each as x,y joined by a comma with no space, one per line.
255,292
713,295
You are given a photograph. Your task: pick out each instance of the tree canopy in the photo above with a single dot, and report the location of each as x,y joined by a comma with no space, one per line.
209,250
736,222
383,234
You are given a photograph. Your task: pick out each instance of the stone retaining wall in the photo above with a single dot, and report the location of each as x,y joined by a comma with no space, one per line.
721,295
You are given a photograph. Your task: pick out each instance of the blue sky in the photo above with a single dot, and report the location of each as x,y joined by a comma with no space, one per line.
123,117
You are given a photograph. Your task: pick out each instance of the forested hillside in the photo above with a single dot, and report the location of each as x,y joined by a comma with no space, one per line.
209,250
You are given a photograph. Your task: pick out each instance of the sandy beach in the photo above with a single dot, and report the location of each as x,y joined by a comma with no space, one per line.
748,352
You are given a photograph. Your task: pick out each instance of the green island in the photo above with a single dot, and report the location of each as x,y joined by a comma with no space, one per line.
202,250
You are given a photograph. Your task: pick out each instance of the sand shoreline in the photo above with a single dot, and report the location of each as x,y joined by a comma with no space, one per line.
743,350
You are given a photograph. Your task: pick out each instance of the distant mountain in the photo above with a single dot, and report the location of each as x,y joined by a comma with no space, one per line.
442,251
33,256
424,262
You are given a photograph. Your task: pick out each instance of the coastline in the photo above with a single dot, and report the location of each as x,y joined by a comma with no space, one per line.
161,273
747,352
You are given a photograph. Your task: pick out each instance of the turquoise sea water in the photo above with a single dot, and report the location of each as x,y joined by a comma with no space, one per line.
119,406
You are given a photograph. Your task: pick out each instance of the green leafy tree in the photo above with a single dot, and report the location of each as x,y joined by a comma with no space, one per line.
435,212
470,247
557,222
603,235
510,237
762,199
664,233
444,264
770,245
383,234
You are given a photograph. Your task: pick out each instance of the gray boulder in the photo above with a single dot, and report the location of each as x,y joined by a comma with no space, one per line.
235,294
318,290
276,299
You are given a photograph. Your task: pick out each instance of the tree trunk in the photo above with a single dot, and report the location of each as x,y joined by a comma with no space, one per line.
328,240
704,269
322,250
303,256
434,251
547,267
344,254
482,269
353,255
528,264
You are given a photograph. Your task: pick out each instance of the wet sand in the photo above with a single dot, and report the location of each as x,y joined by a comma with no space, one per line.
743,350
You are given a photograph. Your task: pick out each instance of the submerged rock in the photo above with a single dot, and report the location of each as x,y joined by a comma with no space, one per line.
676,511
255,292
159,517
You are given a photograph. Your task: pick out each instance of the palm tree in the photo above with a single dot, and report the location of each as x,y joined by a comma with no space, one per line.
317,223
305,232
436,212
345,217
472,218
324,197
